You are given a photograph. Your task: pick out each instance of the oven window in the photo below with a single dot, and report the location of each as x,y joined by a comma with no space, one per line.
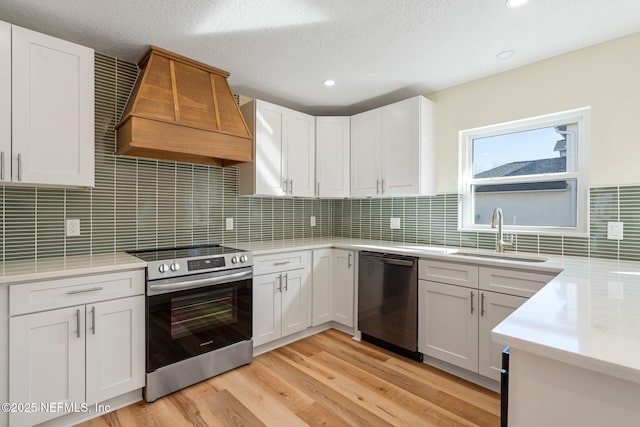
204,311
187,323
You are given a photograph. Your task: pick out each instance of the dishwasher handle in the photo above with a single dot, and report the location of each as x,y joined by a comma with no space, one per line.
395,261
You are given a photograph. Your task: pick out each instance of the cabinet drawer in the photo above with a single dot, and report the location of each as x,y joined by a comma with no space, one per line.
448,272
513,282
50,294
264,264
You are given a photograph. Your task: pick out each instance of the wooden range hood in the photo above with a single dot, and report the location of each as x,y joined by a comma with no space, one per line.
183,110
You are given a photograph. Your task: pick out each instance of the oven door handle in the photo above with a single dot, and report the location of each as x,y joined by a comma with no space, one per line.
192,284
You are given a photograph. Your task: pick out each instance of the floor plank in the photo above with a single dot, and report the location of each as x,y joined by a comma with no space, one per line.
324,380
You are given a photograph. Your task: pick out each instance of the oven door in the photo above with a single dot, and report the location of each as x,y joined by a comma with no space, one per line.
185,323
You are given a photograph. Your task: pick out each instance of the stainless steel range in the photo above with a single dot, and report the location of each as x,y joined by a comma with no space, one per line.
199,315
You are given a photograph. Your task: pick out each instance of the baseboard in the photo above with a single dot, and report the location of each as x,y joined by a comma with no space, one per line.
472,377
96,410
280,342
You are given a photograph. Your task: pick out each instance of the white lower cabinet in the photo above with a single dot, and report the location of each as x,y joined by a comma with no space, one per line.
81,354
456,312
322,307
115,348
333,286
281,299
448,328
497,307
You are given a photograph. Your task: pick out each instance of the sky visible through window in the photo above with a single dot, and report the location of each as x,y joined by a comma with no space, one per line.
493,151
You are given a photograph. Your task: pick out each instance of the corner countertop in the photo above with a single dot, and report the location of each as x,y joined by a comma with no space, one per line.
587,316
51,268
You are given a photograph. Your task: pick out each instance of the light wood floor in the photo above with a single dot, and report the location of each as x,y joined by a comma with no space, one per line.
324,380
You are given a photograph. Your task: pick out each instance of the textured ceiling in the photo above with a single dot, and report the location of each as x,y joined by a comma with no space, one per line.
377,51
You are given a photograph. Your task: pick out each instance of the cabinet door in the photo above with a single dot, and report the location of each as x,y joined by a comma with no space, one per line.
401,148
5,101
266,308
343,286
115,348
296,301
322,284
268,139
448,323
53,110
332,156
299,146
494,308
365,153
46,360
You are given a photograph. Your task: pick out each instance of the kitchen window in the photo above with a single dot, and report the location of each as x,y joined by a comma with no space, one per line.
535,169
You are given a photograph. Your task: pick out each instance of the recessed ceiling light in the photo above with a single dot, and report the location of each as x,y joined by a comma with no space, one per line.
329,82
515,3
506,54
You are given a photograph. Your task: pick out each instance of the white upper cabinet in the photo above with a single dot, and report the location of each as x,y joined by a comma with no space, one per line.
284,152
5,101
393,150
366,151
52,110
332,156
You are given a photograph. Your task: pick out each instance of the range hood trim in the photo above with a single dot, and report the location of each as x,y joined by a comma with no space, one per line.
154,134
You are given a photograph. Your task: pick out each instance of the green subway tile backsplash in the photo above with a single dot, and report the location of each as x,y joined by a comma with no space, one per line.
434,221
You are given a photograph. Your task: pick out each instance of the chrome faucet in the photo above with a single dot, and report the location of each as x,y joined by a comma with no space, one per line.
497,217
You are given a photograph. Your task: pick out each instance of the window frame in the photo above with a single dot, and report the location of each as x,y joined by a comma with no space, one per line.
466,181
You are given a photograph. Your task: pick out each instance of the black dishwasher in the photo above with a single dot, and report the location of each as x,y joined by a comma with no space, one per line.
388,302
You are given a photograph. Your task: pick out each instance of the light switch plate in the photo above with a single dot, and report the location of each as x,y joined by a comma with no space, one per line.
229,224
615,230
394,223
312,221
73,227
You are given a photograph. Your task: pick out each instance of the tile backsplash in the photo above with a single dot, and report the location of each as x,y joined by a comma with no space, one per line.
140,203
433,221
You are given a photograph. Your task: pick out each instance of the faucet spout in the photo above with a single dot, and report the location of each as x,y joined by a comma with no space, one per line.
497,220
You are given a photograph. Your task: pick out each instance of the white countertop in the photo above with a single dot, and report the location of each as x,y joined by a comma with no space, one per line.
588,315
51,268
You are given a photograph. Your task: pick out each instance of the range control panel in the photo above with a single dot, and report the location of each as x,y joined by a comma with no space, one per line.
205,263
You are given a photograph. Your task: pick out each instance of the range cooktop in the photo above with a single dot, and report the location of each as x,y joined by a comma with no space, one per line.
181,261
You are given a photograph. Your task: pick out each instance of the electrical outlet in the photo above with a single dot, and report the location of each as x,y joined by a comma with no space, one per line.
394,223
312,221
73,227
615,230
229,224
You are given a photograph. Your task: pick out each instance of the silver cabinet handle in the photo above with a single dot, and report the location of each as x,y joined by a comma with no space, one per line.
377,186
349,261
383,186
286,282
281,263
19,167
2,165
472,307
93,320
291,187
81,291
78,322
482,304
279,283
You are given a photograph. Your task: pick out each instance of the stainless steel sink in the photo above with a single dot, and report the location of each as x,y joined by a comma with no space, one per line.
502,256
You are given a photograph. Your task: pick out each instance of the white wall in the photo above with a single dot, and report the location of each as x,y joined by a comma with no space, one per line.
605,77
